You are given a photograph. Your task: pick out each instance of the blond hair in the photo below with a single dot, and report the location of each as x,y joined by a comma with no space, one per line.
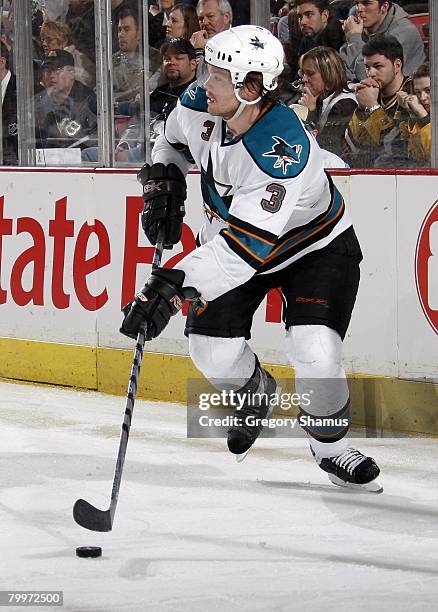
57,29
329,64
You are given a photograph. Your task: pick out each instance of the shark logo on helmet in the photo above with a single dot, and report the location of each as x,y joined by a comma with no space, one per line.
257,43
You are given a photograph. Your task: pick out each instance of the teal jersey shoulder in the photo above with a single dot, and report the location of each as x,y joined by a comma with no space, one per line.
278,143
195,98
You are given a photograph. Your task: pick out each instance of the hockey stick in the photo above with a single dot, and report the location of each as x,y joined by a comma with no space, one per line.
84,513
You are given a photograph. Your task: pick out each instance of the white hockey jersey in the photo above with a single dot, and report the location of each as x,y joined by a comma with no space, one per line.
267,198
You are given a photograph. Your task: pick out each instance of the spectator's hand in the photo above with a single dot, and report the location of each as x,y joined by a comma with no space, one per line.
369,82
199,39
5,40
308,99
402,99
353,25
121,152
367,94
415,107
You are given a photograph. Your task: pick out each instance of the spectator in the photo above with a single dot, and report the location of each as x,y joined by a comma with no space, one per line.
417,130
375,17
183,22
214,16
373,134
128,63
277,6
9,110
56,35
117,7
283,24
330,104
179,70
318,27
292,45
158,23
65,112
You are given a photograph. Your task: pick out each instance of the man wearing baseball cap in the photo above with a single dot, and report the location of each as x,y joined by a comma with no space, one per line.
179,70
65,111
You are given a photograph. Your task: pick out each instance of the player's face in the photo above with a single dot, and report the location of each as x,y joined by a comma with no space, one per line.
371,13
175,25
211,19
422,91
128,35
312,78
311,21
381,69
221,99
178,68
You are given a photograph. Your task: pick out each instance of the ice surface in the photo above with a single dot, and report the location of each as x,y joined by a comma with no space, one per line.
196,532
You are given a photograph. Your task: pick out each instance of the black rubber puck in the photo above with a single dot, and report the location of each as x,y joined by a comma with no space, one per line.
89,551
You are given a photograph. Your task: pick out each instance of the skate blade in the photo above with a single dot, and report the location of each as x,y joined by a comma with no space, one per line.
370,487
242,456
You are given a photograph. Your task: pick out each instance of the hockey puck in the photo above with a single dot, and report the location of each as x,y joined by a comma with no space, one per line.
89,551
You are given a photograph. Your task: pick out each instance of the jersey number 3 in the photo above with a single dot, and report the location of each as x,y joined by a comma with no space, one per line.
278,192
209,126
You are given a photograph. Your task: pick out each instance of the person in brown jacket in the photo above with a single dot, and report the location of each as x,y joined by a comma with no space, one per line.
417,130
373,133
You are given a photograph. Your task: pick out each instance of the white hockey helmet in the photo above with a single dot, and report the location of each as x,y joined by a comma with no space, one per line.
244,49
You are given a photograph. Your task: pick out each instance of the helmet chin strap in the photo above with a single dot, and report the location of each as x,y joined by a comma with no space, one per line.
238,112
242,104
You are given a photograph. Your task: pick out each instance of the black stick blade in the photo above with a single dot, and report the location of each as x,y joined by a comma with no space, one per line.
91,518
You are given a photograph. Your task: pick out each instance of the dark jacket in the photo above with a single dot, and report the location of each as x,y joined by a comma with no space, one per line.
62,124
9,121
157,31
332,36
164,98
330,118
241,12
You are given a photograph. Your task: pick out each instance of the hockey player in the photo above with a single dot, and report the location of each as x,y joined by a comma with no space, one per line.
273,219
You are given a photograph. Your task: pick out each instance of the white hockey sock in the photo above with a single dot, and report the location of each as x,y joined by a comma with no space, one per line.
222,358
328,449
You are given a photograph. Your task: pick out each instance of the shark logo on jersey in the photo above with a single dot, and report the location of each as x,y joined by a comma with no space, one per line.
285,153
257,43
192,93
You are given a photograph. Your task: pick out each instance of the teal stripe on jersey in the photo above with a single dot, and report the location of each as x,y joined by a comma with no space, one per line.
301,235
258,247
195,98
216,203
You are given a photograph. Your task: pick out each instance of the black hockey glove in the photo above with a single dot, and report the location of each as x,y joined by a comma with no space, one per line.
161,297
164,192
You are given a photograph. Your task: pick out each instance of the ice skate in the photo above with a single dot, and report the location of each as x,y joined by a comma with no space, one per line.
351,469
241,437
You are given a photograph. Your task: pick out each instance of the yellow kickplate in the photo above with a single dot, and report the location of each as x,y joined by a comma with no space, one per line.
68,365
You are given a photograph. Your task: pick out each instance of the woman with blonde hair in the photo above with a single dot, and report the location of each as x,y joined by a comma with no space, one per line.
56,35
183,22
326,96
